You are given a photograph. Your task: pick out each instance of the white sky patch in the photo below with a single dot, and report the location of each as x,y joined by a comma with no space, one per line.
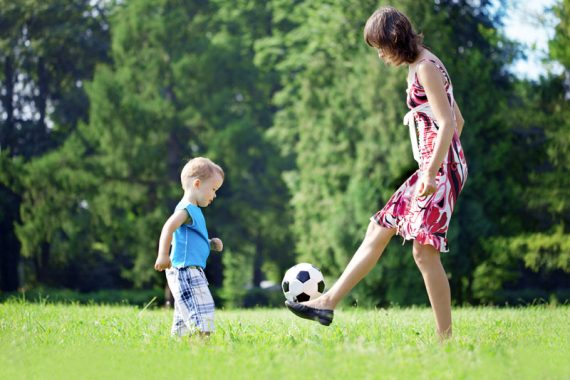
531,24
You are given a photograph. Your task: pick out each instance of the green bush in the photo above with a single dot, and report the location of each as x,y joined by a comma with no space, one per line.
255,297
109,296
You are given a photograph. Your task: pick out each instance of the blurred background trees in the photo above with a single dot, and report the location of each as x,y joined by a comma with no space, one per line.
48,50
103,102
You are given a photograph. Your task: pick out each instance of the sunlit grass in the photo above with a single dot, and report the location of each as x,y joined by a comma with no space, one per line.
49,341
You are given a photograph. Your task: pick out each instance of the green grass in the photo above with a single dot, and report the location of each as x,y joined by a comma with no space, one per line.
50,341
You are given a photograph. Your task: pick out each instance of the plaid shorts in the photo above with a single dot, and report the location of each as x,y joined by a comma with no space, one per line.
193,302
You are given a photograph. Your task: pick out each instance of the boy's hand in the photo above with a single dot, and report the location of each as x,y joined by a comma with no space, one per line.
216,244
162,263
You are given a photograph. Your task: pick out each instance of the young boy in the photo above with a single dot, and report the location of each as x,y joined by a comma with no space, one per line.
193,302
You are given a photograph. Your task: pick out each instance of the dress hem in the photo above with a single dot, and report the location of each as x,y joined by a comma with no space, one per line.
422,237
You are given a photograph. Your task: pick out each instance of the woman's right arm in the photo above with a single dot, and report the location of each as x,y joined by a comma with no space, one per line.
458,119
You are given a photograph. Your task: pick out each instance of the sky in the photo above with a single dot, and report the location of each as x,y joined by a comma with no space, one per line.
528,23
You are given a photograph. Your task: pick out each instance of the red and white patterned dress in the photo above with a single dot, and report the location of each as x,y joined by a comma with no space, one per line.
426,219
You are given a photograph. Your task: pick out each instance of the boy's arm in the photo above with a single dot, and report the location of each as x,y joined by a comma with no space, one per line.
176,220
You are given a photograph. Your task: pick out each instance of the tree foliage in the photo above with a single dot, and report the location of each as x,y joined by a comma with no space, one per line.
103,105
340,117
172,92
538,116
48,48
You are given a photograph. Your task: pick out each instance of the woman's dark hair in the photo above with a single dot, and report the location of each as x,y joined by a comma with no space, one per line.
391,31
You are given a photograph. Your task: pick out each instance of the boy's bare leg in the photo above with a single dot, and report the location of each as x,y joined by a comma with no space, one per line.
428,261
362,262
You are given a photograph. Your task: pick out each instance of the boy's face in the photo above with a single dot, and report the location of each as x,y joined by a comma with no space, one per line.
205,190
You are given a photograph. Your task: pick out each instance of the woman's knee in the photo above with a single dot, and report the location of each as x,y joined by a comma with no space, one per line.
418,257
425,256
376,232
377,235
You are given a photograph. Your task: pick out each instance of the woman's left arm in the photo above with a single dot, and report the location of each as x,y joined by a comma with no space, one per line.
432,81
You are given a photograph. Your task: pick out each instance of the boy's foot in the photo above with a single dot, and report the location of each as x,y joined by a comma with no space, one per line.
323,316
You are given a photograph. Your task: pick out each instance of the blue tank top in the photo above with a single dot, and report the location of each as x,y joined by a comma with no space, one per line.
190,242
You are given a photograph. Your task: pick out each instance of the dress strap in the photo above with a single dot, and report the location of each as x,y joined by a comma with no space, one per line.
413,73
442,69
410,121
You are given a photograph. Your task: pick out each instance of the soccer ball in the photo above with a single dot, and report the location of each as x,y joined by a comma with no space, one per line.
303,282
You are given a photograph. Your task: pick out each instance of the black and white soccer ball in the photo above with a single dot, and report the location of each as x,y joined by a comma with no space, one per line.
303,282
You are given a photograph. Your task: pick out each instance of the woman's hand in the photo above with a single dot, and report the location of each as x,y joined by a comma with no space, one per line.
427,185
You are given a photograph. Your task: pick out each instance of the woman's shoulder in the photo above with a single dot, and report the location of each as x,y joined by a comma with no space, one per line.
429,58
432,65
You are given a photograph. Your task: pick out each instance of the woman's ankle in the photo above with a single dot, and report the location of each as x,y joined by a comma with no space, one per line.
327,302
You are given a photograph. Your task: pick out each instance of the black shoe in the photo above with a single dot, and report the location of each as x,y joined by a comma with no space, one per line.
323,316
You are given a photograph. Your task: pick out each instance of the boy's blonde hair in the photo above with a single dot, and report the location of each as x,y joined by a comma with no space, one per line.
198,168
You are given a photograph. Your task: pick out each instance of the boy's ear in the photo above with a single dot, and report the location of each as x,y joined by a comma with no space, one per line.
196,182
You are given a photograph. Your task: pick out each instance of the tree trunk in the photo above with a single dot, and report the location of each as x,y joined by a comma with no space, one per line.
41,104
42,268
7,126
9,244
257,263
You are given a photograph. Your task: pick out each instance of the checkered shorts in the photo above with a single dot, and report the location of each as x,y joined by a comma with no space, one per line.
193,302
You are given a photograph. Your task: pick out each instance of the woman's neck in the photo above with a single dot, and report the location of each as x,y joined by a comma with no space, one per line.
423,53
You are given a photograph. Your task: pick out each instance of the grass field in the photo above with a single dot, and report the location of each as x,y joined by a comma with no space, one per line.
51,341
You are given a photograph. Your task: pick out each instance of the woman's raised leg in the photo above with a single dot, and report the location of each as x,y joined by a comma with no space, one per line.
367,255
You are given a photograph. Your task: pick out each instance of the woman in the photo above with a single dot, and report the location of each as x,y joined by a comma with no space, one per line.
421,208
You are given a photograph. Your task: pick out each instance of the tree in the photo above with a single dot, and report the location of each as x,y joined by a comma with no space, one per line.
182,84
48,49
533,261
340,117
